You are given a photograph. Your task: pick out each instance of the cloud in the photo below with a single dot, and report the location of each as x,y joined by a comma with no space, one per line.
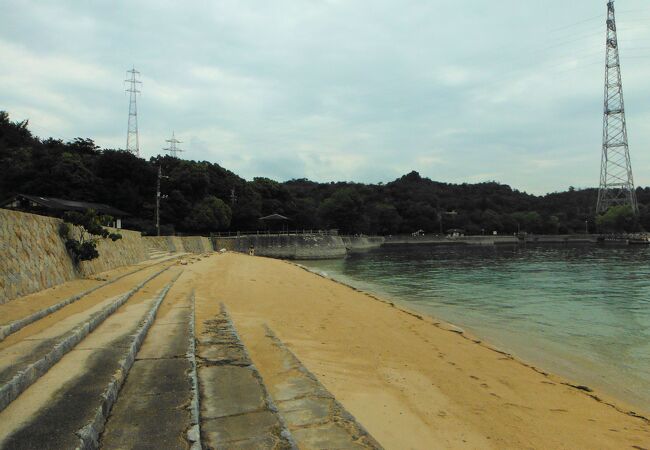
334,90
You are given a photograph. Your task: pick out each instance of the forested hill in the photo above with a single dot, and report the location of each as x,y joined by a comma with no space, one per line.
198,194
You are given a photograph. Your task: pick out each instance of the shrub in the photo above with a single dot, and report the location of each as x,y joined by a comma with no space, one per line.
90,231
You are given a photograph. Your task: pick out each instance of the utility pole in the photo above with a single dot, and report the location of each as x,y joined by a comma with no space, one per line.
132,140
233,197
173,149
160,176
616,181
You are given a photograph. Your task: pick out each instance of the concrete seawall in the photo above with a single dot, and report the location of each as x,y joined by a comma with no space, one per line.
361,243
444,240
301,246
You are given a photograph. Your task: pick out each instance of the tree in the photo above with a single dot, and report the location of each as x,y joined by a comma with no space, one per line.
617,219
343,210
210,214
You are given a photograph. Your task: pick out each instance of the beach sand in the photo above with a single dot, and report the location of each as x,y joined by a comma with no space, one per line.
412,381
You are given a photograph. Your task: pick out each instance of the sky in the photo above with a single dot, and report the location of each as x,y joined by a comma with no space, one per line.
333,90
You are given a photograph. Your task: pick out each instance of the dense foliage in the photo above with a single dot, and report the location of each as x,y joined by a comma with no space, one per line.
198,195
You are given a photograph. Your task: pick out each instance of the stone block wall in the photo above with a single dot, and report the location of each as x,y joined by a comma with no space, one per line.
174,244
32,254
159,243
123,252
196,244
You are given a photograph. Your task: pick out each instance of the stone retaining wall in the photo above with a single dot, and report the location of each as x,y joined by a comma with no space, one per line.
123,252
32,255
176,244
196,244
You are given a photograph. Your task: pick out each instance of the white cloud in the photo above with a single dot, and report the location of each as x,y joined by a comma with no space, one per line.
366,90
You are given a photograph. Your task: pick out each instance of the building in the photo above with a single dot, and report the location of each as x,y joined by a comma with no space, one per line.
56,207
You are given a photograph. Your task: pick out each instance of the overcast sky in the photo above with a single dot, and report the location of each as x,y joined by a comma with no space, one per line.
461,91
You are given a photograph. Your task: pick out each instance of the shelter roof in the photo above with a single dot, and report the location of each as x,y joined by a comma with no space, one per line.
274,217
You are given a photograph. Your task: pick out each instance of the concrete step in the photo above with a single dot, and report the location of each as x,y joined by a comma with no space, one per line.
154,409
235,408
312,414
13,326
67,407
24,361
157,254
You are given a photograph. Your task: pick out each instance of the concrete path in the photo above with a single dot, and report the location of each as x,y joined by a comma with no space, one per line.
159,381
236,411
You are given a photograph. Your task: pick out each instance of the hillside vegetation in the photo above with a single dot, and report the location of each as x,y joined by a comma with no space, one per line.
198,194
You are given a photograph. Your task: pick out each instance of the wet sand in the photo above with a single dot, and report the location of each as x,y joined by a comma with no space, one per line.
412,381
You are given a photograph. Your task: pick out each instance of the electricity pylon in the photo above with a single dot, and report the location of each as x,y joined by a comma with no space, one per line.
173,149
132,140
616,182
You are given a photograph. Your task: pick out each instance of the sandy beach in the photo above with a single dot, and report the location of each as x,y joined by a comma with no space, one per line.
412,381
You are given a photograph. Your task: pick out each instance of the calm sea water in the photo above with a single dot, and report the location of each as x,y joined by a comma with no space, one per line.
582,312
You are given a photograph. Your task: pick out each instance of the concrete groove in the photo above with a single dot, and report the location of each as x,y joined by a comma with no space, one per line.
243,413
16,325
162,358
26,377
89,434
193,434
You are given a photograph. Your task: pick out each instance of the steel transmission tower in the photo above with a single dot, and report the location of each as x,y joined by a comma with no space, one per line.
172,149
616,182
132,141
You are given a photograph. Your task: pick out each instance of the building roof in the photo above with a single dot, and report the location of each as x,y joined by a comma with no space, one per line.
274,217
68,205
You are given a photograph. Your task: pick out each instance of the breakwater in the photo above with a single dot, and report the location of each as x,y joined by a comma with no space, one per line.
445,240
618,239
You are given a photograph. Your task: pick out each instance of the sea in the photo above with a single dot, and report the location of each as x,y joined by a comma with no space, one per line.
582,312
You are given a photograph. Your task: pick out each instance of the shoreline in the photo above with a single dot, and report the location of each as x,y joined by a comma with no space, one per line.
597,394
